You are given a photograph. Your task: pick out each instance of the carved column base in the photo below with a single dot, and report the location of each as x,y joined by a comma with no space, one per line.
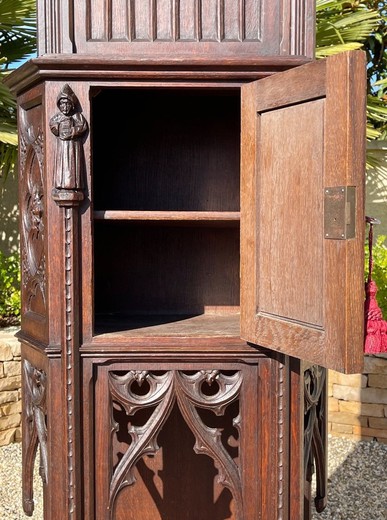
67,197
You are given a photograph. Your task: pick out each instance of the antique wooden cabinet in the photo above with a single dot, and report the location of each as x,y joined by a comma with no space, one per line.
191,194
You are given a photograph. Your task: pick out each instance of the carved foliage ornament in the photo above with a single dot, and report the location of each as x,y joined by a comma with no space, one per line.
164,390
32,213
35,433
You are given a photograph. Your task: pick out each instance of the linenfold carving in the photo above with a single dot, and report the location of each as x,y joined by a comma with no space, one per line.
68,125
163,391
314,431
35,432
32,215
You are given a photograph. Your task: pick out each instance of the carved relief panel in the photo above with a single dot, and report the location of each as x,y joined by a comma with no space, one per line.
32,209
210,28
174,446
34,430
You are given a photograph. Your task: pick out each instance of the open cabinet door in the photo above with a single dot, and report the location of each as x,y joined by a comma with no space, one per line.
302,212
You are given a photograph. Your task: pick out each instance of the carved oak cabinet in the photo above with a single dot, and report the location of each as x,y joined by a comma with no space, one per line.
191,194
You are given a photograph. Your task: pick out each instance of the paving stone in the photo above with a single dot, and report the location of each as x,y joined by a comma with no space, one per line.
16,349
370,432
375,365
365,395
5,352
11,421
358,408
12,408
347,418
377,380
333,404
6,437
9,397
12,368
356,380
342,428
13,383
378,422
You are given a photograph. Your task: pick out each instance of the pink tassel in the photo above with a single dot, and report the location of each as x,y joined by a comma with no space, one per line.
375,325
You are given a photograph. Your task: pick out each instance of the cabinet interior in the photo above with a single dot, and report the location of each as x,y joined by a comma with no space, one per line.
166,183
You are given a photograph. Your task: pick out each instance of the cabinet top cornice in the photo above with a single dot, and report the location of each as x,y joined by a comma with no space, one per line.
97,69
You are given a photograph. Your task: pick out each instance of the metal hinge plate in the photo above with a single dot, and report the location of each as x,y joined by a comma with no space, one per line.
339,212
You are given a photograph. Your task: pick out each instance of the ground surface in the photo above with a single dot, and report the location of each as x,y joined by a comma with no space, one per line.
357,482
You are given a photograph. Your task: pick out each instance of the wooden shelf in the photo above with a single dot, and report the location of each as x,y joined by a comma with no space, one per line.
169,216
203,325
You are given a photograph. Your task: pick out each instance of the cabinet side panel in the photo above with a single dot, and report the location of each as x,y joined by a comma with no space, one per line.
33,217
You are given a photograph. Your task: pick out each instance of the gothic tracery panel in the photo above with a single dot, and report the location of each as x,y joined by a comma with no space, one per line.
207,401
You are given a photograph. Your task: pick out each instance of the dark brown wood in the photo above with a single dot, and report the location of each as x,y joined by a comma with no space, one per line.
305,298
34,430
315,433
154,407
68,126
33,221
182,27
153,284
222,387
161,70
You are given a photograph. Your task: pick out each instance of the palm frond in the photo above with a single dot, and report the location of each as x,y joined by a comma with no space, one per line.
343,26
330,50
17,41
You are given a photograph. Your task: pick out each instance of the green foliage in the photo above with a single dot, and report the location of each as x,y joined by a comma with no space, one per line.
9,288
346,25
379,272
17,42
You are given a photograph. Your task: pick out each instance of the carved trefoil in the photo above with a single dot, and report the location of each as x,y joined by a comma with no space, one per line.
35,430
192,393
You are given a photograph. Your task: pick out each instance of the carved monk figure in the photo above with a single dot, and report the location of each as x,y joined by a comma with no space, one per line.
68,126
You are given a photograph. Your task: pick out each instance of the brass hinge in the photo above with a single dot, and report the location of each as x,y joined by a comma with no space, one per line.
339,212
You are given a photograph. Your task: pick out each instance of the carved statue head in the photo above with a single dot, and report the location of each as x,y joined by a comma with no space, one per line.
66,100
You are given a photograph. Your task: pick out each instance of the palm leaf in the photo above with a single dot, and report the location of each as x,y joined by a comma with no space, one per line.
17,41
343,26
330,50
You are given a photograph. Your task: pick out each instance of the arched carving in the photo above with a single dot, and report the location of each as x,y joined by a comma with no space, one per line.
162,392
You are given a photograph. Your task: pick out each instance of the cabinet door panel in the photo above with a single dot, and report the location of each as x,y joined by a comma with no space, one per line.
303,131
